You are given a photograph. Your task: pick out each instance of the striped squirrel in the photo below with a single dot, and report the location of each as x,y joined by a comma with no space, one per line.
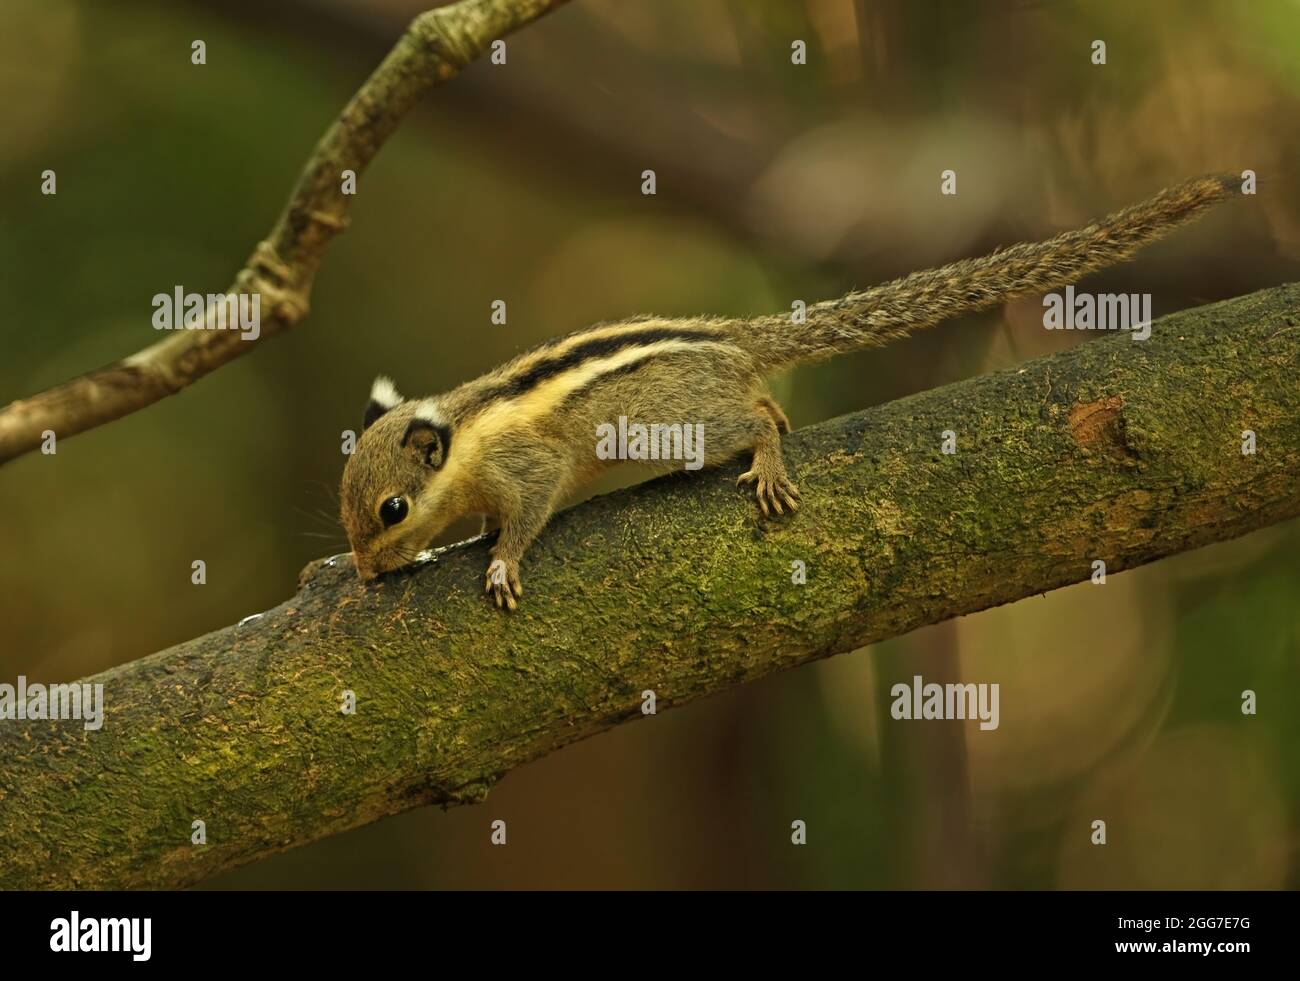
514,442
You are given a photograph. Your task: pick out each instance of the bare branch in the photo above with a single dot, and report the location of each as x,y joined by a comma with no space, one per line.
435,48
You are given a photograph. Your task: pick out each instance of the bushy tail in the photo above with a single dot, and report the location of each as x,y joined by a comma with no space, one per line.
876,316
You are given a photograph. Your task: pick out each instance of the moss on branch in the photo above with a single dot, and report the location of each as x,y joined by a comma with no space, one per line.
1116,450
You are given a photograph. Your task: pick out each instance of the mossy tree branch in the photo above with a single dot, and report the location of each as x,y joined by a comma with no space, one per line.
1116,450
435,48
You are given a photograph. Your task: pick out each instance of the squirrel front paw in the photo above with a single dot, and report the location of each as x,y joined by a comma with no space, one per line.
772,488
502,583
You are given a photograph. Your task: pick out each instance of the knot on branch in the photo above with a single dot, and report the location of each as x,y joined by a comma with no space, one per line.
332,223
449,35
1099,426
266,265
283,287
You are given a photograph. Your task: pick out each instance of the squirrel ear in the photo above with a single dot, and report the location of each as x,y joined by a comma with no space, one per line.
383,396
428,436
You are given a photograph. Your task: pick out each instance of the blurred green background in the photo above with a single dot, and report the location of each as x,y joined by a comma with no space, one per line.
522,182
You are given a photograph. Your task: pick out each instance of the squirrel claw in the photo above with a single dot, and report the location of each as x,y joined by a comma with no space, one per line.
502,584
772,491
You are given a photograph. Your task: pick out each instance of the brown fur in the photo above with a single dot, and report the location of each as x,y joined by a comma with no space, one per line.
523,436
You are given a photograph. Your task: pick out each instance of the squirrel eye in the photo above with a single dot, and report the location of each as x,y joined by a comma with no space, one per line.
392,511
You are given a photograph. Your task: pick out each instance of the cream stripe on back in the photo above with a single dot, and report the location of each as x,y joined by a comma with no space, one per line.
564,345
523,410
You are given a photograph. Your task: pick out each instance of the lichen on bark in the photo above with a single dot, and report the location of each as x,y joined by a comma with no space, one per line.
1119,450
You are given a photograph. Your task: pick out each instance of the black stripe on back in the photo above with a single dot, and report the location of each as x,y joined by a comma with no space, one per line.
619,372
599,347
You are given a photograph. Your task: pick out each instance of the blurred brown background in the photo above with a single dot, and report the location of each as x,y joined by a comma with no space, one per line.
522,182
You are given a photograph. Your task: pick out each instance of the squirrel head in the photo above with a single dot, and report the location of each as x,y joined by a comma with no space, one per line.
389,498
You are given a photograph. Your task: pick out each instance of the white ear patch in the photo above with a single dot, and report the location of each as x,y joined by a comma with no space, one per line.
385,393
428,411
